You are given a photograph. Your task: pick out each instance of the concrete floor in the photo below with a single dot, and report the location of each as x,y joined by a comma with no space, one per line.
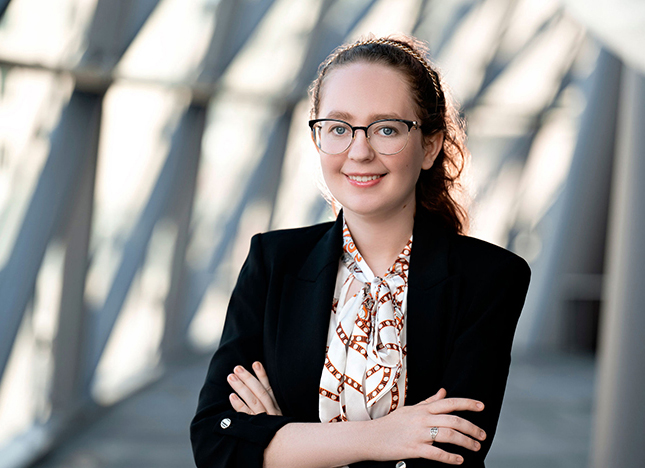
545,421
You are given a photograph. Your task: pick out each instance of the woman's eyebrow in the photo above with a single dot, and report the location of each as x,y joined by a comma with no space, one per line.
339,115
372,118
392,115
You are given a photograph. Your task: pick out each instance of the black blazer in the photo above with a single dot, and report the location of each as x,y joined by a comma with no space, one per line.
464,299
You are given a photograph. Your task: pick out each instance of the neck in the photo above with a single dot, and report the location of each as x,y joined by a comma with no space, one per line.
381,239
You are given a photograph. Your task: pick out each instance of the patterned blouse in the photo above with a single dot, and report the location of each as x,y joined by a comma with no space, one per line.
365,373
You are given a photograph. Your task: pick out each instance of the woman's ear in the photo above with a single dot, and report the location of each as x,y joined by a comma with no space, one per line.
432,146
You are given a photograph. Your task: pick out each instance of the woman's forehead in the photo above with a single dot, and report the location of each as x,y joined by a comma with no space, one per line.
366,90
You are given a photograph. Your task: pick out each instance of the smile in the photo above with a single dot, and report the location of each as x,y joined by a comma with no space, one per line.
364,178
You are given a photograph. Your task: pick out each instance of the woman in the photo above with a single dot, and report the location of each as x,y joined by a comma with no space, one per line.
323,324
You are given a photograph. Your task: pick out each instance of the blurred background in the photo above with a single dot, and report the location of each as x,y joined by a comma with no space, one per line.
143,142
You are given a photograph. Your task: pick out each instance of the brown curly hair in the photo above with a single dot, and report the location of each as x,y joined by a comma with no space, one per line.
438,188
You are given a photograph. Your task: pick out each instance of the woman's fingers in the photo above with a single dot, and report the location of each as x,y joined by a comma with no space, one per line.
411,429
259,390
441,394
449,421
450,405
449,424
247,395
440,406
253,392
452,436
238,405
434,453
261,374
453,429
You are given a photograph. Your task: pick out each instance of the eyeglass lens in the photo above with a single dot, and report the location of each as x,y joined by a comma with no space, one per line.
385,137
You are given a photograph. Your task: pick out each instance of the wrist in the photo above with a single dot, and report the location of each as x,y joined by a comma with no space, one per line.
375,441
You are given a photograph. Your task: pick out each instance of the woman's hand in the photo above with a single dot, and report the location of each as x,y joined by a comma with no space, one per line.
406,432
253,394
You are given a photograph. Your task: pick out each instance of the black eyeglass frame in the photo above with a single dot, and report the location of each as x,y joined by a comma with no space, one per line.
412,124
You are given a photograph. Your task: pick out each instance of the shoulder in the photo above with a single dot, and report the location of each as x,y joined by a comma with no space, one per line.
483,260
290,242
459,255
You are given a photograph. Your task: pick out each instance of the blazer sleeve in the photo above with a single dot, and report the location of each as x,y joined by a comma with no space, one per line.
479,363
220,436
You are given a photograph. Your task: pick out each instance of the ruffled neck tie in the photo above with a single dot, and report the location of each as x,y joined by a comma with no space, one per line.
365,356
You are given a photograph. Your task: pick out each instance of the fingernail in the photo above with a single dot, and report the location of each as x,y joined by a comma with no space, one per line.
256,365
238,369
477,445
232,377
460,460
480,405
482,435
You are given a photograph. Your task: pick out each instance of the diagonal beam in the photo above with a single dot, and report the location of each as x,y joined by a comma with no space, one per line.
422,13
262,184
67,391
498,65
175,187
522,146
71,142
462,11
336,21
189,142
101,321
3,7
115,25
235,22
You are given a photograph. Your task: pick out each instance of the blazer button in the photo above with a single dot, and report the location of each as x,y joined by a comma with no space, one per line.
401,464
225,423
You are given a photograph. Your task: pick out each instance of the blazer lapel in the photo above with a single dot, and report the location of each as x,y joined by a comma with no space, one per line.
304,322
431,294
305,310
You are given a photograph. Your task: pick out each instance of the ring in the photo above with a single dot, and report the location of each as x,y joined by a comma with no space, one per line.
433,432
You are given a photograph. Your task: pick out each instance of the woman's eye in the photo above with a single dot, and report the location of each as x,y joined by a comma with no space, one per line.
386,131
338,130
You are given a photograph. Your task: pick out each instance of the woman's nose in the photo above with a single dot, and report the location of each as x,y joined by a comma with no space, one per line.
360,149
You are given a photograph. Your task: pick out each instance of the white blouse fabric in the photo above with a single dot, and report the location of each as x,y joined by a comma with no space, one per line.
365,375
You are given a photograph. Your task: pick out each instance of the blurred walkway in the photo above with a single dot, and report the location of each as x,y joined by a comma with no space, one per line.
546,418
545,423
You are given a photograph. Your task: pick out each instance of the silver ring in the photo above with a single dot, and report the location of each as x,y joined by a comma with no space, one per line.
433,432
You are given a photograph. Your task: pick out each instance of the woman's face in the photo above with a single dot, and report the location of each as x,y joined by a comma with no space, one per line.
364,182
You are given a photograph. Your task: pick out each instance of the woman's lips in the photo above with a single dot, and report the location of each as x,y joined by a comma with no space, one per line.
367,180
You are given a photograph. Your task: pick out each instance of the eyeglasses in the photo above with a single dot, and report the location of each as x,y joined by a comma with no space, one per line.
386,136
